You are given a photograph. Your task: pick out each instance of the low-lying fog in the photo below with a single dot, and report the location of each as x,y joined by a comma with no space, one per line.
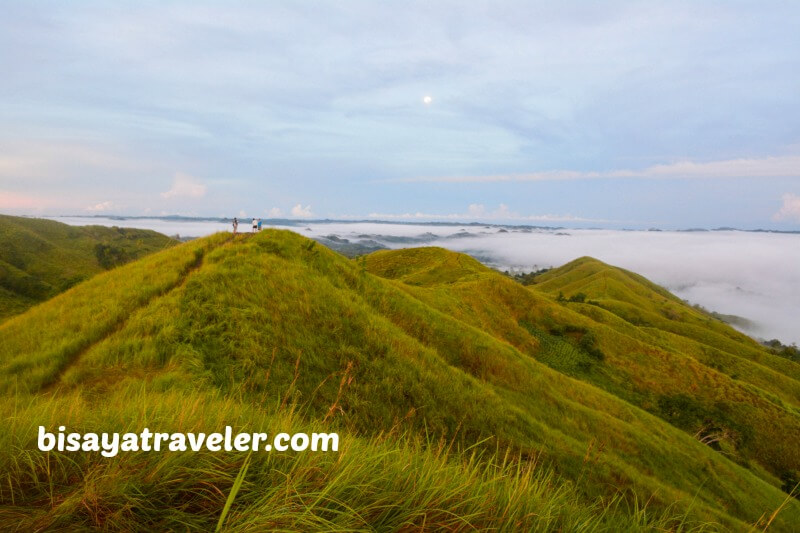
753,275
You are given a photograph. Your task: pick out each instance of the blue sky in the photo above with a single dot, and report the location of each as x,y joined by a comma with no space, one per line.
616,114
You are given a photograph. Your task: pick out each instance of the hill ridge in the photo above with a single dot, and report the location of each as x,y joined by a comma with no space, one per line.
41,258
119,324
276,319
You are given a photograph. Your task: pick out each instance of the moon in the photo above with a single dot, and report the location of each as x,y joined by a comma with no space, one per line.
427,100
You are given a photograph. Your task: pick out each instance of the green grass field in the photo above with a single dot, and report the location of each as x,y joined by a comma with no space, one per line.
463,399
40,258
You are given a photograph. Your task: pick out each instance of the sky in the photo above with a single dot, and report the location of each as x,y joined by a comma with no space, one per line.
583,114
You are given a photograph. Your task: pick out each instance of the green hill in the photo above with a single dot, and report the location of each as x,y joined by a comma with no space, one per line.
634,340
463,399
40,258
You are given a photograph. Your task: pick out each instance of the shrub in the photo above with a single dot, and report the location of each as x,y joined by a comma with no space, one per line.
109,256
791,483
588,344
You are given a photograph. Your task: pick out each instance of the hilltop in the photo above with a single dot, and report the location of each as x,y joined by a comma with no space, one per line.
465,399
41,258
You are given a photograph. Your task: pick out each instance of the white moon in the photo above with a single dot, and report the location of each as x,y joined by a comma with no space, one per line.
427,100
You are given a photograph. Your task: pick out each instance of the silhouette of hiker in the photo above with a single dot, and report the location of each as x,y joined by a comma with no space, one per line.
235,225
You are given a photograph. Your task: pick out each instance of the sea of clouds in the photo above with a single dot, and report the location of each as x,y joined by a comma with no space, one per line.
754,275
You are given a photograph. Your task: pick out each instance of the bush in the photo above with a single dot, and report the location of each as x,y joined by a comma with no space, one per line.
791,483
588,344
792,352
109,256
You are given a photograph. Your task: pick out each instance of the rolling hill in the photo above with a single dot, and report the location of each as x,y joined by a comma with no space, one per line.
463,399
631,338
40,258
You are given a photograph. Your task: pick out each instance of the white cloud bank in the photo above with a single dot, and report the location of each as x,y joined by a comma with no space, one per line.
766,167
302,212
185,186
102,206
753,275
790,210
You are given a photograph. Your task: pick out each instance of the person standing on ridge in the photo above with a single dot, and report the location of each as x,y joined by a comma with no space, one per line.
255,224
235,225
259,224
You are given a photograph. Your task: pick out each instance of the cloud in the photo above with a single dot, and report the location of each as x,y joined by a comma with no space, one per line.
479,212
476,210
766,167
102,206
185,186
790,210
300,211
275,212
166,89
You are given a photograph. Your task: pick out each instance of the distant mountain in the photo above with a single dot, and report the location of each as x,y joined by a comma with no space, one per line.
590,400
349,248
41,258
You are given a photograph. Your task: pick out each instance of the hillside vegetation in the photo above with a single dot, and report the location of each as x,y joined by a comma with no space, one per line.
616,330
463,399
41,258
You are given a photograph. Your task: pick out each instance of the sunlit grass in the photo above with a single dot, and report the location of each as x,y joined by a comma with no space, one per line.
448,393
41,258
384,482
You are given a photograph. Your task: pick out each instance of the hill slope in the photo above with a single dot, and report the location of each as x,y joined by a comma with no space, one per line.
274,331
40,258
634,340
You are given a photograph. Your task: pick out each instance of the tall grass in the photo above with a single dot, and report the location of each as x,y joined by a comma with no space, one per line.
654,346
396,482
450,419
37,349
40,258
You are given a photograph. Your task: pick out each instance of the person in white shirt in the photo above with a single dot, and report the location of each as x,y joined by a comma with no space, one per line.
255,225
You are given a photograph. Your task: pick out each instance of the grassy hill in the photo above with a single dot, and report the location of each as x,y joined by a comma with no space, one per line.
463,399
40,258
634,340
